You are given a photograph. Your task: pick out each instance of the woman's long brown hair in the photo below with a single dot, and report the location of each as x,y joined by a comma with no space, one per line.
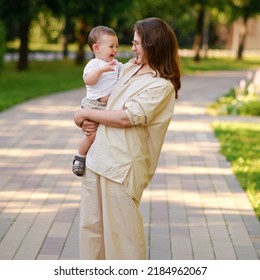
161,49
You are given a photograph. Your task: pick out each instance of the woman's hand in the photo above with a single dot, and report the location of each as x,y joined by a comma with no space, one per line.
89,128
79,117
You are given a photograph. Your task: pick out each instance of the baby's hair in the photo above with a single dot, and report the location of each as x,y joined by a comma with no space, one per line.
97,32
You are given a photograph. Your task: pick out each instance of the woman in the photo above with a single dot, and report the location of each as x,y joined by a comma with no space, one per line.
123,158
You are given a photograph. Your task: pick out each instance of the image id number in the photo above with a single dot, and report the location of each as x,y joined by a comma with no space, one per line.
177,270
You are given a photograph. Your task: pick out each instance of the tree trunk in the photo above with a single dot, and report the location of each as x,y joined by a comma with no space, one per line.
24,29
81,42
66,33
199,33
205,40
2,44
242,39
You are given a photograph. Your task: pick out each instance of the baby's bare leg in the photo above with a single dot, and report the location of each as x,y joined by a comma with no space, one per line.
84,145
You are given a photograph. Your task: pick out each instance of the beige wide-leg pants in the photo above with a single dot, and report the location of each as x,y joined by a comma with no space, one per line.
111,226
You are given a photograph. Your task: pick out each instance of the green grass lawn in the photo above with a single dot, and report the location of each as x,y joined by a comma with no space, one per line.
42,78
219,64
241,146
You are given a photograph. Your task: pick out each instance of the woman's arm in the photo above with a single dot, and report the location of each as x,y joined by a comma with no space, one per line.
114,118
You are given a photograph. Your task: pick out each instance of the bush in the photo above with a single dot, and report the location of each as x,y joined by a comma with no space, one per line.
241,100
251,108
2,44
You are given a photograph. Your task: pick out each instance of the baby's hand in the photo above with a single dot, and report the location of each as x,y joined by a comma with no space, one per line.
133,60
110,66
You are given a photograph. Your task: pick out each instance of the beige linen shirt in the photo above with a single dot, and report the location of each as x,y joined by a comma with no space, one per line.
131,155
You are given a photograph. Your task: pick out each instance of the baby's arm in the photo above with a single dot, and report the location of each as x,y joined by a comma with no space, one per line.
92,77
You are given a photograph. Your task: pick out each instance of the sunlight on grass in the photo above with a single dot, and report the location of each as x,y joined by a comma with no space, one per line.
241,146
219,64
42,78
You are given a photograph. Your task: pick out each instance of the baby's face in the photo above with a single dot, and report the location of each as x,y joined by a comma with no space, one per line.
107,48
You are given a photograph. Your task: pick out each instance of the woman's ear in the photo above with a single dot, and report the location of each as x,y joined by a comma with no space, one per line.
95,48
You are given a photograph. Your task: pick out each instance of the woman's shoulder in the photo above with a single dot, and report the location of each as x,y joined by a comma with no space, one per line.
160,81
128,68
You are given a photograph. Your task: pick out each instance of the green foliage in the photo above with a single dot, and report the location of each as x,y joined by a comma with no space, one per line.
2,44
251,108
57,20
245,9
229,105
46,28
222,105
240,144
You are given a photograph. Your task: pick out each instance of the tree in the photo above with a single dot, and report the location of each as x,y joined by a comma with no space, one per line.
188,17
2,44
82,14
198,38
243,9
86,14
202,8
21,14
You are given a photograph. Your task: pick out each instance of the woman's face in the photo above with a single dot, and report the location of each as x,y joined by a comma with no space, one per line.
138,50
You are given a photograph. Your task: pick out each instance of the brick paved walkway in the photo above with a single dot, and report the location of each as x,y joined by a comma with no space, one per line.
194,208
